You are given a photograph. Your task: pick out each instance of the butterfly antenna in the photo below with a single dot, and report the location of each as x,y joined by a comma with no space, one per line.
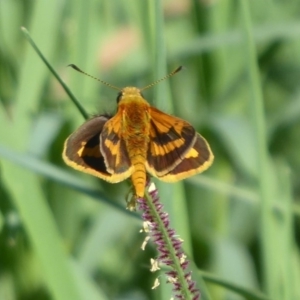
102,81
160,80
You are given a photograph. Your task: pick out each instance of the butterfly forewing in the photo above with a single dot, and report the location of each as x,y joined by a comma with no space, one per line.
170,140
114,150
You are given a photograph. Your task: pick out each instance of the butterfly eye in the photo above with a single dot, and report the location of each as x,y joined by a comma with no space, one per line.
119,97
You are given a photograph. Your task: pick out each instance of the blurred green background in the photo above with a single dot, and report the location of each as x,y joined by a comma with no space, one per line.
67,235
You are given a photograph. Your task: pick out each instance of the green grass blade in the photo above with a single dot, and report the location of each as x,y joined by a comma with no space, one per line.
263,160
244,292
65,87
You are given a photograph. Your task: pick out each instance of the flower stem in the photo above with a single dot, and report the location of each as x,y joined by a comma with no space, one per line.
168,245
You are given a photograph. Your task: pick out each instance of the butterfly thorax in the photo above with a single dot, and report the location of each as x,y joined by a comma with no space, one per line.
135,130
135,114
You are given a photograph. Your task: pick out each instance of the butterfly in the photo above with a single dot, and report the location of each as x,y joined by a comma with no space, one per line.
138,140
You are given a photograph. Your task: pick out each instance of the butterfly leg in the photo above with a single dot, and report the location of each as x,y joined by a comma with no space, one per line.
130,199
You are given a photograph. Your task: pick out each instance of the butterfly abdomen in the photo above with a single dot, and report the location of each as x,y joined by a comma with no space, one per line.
139,176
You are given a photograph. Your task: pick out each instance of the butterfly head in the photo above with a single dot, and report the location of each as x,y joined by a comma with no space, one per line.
129,93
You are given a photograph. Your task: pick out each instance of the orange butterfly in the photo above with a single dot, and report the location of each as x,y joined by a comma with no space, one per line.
139,139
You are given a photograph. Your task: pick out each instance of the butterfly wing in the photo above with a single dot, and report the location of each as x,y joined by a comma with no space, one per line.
176,150
113,148
170,139
197,159
82,150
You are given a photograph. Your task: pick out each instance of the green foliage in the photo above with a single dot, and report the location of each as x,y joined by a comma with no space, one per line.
65,235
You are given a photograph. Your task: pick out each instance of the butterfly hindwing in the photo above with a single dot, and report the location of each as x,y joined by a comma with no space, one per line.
82,150
197,159
170,140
